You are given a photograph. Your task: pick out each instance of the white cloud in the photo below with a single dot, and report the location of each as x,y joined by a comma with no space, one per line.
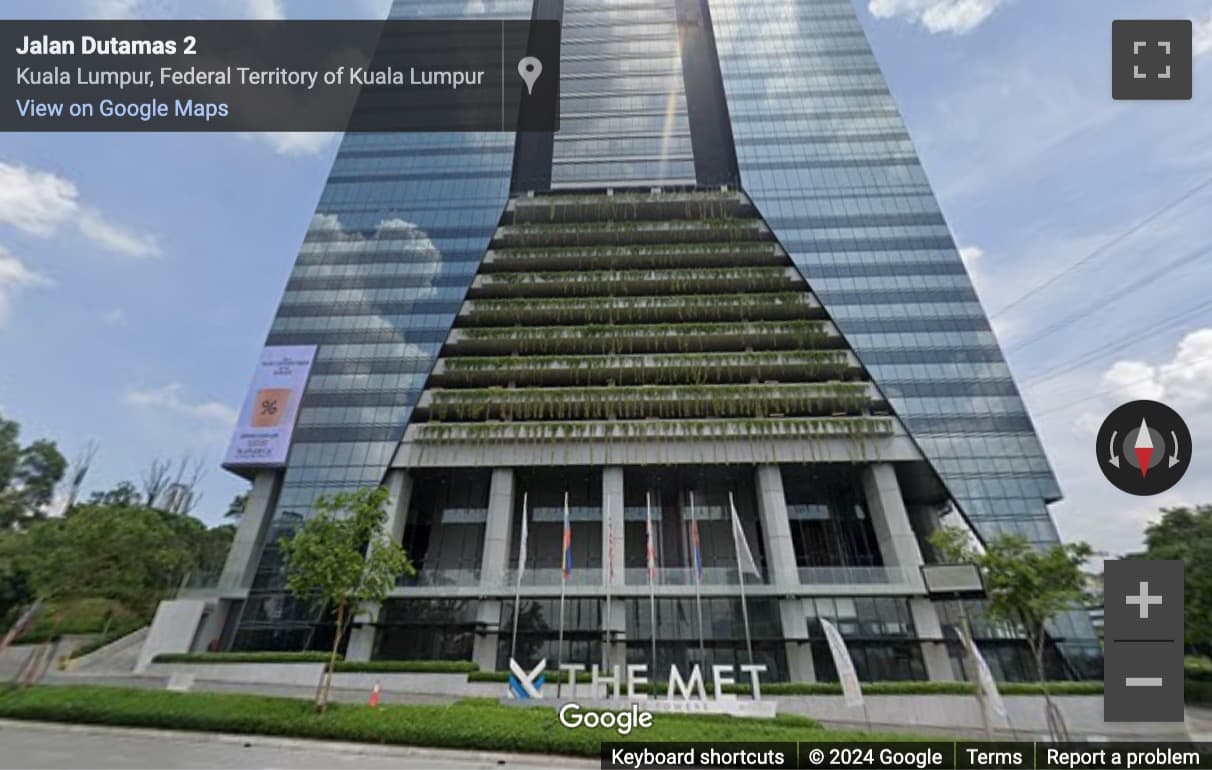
295,143
1070,410
377,9
35,202
14,276
115,238
114,9
168,399
1182,381
42,204
954,16
169,9
1202,36
115,317
971,255
270,10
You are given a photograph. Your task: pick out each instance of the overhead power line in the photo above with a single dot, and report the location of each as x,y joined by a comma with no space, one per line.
1111,348
1104,302
1035,290
1107,392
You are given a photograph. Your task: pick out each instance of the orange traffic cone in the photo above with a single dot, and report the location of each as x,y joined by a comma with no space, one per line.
374,695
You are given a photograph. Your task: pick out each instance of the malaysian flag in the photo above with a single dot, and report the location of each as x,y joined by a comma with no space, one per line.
609,552
567,560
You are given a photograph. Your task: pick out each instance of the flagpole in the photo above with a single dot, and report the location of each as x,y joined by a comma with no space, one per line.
517,590
563,586
736,543
609,580
698,577
651,581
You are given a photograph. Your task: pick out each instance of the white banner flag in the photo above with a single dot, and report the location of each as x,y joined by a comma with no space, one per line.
744,556
522,540
845,667
984,676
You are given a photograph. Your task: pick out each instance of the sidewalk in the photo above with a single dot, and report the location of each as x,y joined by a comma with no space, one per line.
53,745
1199,723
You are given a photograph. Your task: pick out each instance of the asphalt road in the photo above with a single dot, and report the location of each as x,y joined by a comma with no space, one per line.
60,747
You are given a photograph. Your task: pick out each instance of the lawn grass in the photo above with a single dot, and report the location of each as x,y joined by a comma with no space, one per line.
473,723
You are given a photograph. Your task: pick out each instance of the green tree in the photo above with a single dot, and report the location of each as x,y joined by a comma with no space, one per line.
15,590
341,559
1026,586
128,554
123,495
1186,534
28,476
954,545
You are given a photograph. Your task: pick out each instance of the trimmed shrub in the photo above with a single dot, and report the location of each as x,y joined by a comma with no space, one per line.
469,724
583,677
408,666
869,688
242,657
920,688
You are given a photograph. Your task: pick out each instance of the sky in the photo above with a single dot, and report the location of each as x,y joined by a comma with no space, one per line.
139,272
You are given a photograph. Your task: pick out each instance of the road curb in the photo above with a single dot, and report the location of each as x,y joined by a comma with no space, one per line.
503,759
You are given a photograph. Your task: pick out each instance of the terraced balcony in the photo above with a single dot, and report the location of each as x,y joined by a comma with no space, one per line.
659,369
641,338
590,283
644,319
630,206
657,256
615,233
678,308
639,402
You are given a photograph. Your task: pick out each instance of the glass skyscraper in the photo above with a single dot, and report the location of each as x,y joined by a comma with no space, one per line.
723,285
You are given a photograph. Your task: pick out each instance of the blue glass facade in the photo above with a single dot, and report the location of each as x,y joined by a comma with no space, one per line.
623,114
398,234
824,154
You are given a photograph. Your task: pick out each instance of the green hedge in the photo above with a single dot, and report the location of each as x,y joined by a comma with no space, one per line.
343,666
583,677
921,688
242,657
468,724
409,666
869,688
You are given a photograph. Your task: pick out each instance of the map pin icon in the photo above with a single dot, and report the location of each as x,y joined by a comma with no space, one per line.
530,68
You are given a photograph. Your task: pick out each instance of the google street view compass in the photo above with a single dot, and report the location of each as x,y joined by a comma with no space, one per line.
1144,448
